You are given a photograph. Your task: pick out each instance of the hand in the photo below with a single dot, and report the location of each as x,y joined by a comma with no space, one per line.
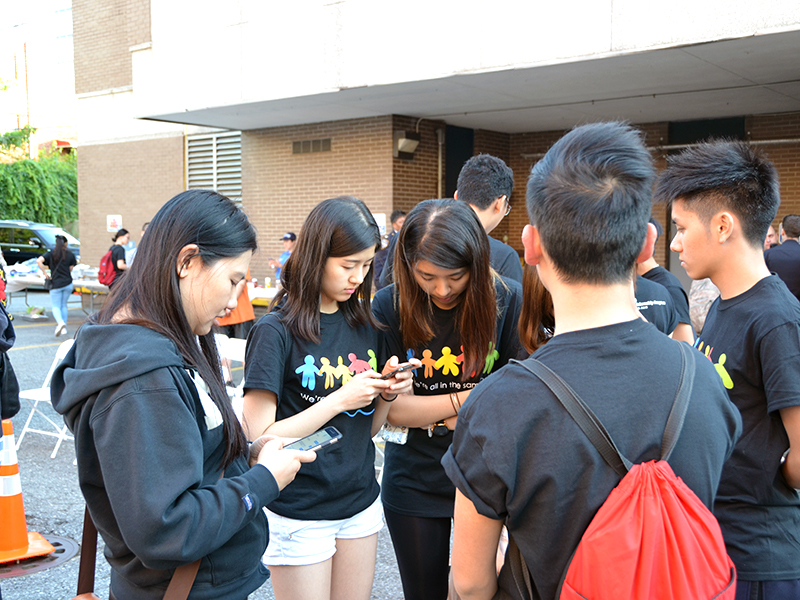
402,383
359,391
283,464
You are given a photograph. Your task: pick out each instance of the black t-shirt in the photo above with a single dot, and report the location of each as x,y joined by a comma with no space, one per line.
117,254
680,298
519,456
59,269
505,260
341,481
656,305
753,340
784,260
414,482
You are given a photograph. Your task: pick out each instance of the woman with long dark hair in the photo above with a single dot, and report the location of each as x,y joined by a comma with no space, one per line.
449,309
312,362
60,261
163,463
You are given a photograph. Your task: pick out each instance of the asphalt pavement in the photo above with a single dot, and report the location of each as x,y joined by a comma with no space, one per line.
53,502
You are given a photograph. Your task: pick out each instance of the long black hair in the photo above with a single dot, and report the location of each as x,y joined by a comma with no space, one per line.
149,294
336,227
448,234
60,251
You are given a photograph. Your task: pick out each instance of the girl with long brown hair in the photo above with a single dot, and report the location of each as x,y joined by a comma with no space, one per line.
311,363
451,311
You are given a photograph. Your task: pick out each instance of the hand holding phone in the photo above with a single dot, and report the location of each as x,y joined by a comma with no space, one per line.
400,368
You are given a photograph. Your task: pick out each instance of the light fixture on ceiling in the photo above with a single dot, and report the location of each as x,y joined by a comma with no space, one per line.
405,143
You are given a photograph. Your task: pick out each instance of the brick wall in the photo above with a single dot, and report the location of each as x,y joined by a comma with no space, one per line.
280,188
103,32
416,180
133,179
785,156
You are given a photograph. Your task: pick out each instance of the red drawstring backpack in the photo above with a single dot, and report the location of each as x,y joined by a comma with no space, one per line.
652,537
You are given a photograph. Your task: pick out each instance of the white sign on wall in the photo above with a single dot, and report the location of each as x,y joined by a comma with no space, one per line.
113,223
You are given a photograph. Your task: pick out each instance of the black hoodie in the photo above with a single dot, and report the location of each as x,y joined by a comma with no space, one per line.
149,464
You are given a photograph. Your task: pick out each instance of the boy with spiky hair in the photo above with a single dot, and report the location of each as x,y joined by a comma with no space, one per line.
517,456
724,196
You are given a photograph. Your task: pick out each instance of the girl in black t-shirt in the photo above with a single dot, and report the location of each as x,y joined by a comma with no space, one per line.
311,363
60,261
452,311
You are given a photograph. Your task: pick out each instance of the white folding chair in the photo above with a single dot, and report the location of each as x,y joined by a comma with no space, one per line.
42,394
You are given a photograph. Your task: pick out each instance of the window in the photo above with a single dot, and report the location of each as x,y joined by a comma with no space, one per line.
214,162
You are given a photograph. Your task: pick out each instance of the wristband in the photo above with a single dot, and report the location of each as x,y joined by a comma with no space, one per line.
392,399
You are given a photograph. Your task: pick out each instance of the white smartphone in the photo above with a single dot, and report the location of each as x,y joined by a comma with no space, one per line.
318,439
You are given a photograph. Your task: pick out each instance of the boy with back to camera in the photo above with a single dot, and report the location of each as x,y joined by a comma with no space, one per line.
724,196
517,456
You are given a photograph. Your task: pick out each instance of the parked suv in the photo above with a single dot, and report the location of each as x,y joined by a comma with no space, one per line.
22,240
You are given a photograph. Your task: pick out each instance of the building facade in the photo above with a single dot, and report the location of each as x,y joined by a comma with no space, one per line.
320,91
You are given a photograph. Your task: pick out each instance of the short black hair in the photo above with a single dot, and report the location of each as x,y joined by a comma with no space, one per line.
483,179
791,226
396,214
590,198
724,175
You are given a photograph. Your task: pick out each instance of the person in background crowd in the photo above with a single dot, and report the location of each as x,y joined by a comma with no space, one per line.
450,310
485,183
517,455
771,239
289,240
784,259
312,363
132,254
120,239
724,195
397,218
650,269
60,261
163,463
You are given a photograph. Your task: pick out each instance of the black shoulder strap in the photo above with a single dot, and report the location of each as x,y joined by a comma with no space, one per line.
594,429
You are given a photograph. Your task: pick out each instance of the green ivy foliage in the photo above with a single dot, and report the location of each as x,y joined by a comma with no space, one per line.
44,190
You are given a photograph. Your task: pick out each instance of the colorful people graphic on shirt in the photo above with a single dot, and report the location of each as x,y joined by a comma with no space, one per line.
328,371
357,365
491,358
373,360
719,365
448,363
309,372
342,372
428,362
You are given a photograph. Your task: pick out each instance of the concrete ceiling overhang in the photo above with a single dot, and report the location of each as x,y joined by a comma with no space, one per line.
744,76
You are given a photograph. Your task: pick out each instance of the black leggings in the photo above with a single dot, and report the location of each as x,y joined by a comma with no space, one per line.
422,547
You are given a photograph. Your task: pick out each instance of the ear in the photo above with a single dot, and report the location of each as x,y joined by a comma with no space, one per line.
722,226
187,259
649,246
532,244
455,195
499,205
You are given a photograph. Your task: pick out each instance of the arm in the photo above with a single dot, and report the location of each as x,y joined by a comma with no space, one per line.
400,384
40,262
475,539
420,411
791,467
683,333
260,408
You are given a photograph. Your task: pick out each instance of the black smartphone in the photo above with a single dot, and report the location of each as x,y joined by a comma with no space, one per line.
399,369
318,439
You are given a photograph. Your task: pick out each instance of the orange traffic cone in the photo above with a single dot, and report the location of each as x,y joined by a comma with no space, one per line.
16,543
